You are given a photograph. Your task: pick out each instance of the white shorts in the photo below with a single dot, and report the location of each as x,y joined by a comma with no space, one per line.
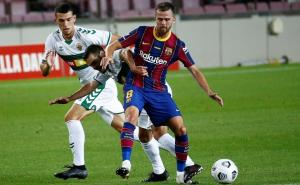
144,120
103,100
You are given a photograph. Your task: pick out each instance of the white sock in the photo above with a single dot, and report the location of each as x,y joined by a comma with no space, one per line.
180,177
152,150
167,142
126,164
76,141
136,135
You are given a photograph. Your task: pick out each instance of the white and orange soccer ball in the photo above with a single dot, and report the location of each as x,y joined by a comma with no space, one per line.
224,171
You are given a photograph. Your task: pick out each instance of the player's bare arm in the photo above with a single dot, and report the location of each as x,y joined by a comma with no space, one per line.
83,91
126,55
200,78
109,50
47,64
114,38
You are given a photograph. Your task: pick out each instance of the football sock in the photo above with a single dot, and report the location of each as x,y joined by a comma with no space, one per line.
152,150
180,177
127,140
136,135
126,164
167,142
76,141
181,150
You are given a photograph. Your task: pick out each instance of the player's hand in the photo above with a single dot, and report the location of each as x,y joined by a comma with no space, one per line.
47,65
141,70
60,100
45,68
217,98
105,61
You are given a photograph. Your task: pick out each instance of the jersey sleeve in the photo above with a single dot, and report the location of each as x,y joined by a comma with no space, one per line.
49,46
129,39
184,56
101,77
116,55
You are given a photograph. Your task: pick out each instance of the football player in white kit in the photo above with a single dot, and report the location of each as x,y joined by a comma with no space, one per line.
69,42
118,70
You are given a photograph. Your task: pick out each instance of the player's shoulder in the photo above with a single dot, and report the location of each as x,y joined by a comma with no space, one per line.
87,31
144,28
179,41
53,36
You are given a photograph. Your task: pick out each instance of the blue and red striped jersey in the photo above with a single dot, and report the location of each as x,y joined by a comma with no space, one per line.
156,54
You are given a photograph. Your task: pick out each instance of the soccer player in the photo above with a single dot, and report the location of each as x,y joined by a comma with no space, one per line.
119,70
156,48
69,42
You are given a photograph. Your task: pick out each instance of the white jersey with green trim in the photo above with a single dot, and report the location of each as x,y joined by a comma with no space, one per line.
72,51
113,69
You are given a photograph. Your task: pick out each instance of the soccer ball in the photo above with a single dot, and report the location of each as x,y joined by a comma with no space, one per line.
224,171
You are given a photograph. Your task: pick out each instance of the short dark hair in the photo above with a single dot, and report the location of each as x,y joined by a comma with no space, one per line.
65,7
92,49
165,6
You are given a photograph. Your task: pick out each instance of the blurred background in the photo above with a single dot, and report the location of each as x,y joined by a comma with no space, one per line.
219,33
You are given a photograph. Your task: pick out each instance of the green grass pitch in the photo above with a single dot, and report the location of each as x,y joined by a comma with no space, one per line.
258,128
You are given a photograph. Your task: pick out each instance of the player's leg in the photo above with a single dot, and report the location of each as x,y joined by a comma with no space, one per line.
127,138
133,104
184,174
151,148
164,110
181,145
76,141
80,109
113,114
167,142
111,109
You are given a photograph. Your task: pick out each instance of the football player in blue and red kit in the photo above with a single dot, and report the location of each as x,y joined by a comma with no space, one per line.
156,48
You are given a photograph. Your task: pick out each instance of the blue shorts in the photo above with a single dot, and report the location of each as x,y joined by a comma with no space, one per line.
159,105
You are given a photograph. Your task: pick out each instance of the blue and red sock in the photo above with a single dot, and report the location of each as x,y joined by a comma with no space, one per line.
127,140
181,150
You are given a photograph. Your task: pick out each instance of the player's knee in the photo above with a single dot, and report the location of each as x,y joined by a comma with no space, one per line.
69,117
181,131
131,115
159,131
117,125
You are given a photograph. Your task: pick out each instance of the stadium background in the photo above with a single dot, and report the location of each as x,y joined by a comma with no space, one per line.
258,127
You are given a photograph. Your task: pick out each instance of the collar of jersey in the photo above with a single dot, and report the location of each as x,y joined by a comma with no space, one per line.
67,41
159,38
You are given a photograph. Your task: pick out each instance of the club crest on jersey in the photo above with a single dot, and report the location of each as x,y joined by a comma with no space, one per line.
168,51
79,46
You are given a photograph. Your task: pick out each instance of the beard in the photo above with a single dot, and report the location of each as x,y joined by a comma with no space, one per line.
162,31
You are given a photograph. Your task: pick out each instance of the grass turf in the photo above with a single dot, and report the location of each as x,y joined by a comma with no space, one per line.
258,128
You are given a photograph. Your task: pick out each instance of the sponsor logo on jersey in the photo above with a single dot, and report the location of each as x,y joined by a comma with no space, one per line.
168,51
154,60
60,48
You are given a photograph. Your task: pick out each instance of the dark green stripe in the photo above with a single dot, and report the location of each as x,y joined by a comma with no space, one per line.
109,38
72,57
80,67
90,98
